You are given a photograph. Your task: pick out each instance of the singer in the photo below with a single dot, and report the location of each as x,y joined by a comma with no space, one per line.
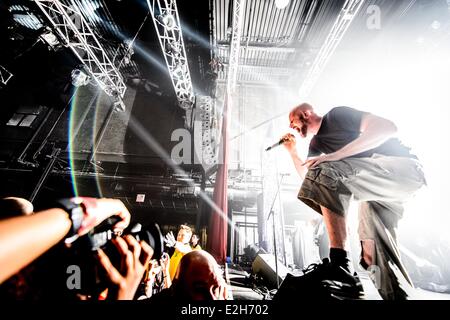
355,154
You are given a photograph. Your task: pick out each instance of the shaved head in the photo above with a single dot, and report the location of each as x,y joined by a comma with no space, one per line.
301,108
304,120
198,276
13,206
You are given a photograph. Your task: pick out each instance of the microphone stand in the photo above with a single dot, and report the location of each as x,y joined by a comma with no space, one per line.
273,228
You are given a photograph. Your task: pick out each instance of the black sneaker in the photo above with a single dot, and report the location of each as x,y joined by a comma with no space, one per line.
322,281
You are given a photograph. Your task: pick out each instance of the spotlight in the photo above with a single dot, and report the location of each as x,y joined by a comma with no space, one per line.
168,21
435,25
119,105
281,4
178,71
50,39
79,78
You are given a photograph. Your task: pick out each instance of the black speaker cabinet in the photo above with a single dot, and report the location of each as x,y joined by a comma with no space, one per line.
264,265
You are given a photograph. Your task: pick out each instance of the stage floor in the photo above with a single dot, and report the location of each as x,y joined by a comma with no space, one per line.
241,287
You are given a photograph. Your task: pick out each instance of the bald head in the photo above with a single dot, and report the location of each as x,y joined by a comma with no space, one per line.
13,206
198,277
302,107
304,120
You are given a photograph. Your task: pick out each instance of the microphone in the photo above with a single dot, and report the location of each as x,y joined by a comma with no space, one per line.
279,143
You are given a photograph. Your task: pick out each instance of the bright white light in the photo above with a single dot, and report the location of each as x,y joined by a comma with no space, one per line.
169,21
281,4
79,78
50,39
436,25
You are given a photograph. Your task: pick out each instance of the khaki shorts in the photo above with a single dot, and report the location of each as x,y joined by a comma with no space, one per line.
378,178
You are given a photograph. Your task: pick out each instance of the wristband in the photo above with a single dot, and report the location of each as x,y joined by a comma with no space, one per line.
76,215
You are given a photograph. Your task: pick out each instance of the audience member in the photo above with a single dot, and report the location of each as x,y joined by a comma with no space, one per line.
198,278
181,245
14,206
195,245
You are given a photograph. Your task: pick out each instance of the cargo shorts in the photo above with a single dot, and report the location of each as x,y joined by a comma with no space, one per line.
378,178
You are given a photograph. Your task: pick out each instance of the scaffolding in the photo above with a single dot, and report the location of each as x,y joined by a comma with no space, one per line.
74,31
348,12
5,75
235,45
168,28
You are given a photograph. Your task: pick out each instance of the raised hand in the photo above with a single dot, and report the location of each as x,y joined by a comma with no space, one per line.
135,259
170,239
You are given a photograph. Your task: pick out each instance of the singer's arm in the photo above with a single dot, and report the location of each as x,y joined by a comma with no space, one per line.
290,145
298,163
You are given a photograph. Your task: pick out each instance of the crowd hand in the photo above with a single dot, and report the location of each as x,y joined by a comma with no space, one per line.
98,210
314,162
135,257
154,269
220,292
170,239
164,261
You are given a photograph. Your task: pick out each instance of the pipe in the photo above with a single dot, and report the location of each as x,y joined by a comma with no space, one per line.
48,168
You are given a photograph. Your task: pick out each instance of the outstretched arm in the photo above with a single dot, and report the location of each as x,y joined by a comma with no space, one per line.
23,239
375,130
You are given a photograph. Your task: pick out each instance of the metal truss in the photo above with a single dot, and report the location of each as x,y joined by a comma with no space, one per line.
72,28
238,18
348,12
167,25
5,75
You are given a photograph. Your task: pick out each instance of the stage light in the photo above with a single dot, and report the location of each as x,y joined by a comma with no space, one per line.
79,78
178,71
119,105
173,48
50,39
168,21
281,4
435,25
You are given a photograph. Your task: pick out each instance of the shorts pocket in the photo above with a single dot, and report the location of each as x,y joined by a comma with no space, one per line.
327,177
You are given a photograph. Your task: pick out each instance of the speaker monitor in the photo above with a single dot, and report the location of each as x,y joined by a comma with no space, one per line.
264,265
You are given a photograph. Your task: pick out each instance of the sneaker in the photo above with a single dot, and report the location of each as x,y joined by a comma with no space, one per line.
323,281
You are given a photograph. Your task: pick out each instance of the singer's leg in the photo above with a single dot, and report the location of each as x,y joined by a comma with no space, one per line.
323,191
336,228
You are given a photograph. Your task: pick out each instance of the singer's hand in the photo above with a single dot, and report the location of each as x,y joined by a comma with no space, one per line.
313,162
289,143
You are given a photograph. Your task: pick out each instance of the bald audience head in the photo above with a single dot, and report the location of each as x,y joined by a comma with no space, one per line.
199,278
13,207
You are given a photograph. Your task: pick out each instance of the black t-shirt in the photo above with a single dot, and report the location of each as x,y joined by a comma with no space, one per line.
341,126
